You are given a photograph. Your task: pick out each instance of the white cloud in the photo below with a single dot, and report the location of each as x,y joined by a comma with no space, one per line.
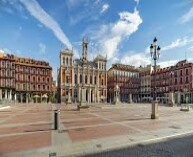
110,36
105,7
168,63
40,14
187,17
137,1
180,42
136,59
42,48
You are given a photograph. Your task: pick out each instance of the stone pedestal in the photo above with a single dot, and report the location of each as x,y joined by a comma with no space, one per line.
83,103
130,98
154,114
116,99
171,99
69,101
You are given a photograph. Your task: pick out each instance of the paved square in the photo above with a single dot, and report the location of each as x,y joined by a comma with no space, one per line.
25,129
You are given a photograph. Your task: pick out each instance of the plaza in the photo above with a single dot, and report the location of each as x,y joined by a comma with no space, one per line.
28,129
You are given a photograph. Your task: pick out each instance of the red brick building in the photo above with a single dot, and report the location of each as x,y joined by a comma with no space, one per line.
175,79
127,78
25,79
7,77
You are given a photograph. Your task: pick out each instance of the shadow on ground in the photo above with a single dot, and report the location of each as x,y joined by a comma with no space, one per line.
179,147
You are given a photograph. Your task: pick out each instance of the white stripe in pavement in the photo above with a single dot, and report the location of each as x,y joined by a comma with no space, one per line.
169,136
6,107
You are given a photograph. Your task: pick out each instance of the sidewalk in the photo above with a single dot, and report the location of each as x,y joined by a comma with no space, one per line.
87,131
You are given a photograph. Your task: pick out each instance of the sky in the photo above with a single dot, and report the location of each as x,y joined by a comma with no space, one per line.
121,30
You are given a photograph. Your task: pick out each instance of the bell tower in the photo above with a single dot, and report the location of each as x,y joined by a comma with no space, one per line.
84,50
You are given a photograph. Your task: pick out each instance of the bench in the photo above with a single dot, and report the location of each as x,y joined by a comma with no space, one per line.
186,107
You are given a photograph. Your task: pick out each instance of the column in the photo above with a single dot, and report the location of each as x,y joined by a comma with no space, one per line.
10,95
0,94
5,94
21,97
27,98
15,97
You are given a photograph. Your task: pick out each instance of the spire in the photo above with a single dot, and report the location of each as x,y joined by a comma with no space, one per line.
84,49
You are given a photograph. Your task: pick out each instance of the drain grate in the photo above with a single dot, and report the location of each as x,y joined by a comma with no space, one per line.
79,129
52,154
98,145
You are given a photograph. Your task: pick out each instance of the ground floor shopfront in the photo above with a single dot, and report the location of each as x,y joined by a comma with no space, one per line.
10,95
92,94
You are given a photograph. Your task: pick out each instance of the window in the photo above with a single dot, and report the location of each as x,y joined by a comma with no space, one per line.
34,87
63,60
186,71
66,61
180,72
43,87
23,77
23,69
181,80
38,87
24,87
75,79
43,71
95,80
38,71
28,77
43,79
186,79
176,81
18,77
90,79
48,80
48,88
102,82
38,79
86,79
34,79
66,79
34,71
80,78
8,73
28,70
28,86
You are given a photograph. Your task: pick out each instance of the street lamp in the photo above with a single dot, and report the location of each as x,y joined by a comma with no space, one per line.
155,53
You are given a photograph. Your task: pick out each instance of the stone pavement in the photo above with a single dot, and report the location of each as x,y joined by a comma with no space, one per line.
27,129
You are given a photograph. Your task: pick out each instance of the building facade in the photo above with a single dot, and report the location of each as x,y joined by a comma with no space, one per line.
7,77
24,79
128,81
174,83
145,83
77,74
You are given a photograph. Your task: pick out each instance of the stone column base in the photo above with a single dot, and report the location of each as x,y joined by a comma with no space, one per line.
154,114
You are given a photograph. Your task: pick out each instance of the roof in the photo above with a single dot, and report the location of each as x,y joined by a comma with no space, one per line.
124,67
100,57
90,63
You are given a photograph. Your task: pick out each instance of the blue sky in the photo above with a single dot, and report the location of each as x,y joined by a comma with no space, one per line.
122,31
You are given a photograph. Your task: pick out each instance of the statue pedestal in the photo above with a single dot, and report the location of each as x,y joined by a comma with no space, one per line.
130,99
83,104
69,101
154,114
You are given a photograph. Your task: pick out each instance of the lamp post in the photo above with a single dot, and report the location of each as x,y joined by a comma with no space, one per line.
155,52
130,91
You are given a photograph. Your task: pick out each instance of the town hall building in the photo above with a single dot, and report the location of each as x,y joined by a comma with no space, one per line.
80,79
